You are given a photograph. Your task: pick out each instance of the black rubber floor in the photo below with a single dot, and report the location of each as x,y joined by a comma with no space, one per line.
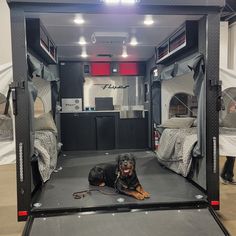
163,185
145,223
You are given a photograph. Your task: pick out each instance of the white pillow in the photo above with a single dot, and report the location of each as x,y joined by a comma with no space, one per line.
194,123
45,122
178,122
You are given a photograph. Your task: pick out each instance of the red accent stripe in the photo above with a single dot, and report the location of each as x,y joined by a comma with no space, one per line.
22,213
100,69
215,203
128,68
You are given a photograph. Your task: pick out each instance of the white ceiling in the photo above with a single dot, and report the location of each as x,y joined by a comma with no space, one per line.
66,34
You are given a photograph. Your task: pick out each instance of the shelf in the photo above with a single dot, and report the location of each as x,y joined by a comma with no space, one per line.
39,41
182,40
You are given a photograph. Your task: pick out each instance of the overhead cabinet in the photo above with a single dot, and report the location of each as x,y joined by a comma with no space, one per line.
40,42
183,40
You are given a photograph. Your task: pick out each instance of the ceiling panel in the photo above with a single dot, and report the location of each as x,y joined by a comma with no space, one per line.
66,34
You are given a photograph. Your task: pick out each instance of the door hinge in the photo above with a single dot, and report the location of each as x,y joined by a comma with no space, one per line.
216,83
15,85
12,88
220,102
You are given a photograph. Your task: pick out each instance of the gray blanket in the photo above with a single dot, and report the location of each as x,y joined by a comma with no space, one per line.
175,149
45,146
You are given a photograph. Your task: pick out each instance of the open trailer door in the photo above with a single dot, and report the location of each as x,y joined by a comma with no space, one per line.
194,219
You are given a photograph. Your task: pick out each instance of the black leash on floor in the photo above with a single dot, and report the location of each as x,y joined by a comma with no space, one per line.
84,193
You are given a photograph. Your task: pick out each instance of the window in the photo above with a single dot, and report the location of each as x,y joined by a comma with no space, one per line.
183,104
229,99
232,106
38,107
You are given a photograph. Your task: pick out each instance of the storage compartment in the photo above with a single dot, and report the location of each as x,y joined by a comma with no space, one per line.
40,42
183,40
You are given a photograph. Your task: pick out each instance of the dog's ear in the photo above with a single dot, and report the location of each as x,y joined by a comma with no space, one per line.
133,158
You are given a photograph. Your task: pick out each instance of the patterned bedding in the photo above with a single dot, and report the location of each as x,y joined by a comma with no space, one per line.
175,149
176,146
45,147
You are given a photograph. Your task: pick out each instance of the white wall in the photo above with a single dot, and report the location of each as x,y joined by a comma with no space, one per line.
224,41
232,46
5,39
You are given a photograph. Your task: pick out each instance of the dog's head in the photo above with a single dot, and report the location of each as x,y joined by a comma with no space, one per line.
126,164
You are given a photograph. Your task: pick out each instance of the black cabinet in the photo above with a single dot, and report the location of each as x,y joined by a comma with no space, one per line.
105,127
102,131
78,133
184,40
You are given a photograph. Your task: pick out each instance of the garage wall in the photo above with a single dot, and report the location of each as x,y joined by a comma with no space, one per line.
232,46
5,39
224,42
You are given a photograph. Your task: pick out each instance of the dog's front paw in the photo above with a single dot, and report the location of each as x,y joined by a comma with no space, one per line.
146,194
139,196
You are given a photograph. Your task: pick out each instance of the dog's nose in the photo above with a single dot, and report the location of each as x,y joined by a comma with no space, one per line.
125,163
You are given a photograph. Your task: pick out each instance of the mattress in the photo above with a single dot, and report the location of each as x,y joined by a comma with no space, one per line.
7,152
175,149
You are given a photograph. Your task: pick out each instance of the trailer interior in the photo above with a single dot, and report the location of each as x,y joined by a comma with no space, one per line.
100,80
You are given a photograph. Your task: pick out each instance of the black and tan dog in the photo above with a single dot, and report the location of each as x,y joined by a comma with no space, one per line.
121,176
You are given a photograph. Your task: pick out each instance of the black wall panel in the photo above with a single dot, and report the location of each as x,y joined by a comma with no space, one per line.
133,133
71,74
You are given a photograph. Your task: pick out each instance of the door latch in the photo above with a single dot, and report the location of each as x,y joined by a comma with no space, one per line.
12,88
220,102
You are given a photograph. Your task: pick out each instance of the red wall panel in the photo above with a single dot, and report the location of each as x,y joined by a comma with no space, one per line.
100,69
128,68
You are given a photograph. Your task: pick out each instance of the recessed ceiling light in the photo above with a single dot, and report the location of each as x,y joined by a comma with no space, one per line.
79,20
124,53
82,41
111,1
133,41
128,1
84,53
120,1
148,20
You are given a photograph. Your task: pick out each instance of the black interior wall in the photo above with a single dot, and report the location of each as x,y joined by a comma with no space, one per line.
71,75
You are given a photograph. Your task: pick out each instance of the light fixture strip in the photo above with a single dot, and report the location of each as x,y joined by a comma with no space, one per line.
120,1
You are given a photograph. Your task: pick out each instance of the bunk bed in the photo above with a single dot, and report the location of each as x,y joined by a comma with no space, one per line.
45,145
7,142
179,138
44,160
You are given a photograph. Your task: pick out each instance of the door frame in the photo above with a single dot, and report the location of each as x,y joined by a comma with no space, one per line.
24,130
